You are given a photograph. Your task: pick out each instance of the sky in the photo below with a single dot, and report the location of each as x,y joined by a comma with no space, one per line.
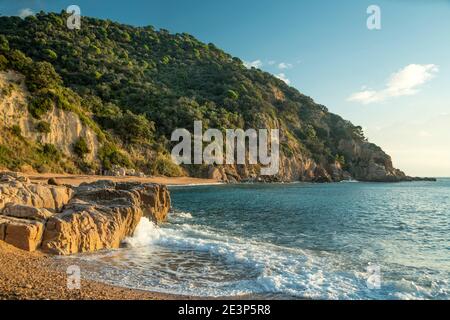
393,81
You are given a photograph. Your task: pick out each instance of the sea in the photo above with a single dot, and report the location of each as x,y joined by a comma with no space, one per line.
336,241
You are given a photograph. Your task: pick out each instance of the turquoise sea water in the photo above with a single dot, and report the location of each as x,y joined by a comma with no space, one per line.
293,241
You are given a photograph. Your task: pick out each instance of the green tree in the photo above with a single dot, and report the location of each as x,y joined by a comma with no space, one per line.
4,44
50,54
134,128
3,62
43,76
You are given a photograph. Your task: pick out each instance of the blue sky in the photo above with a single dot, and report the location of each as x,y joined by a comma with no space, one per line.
395,82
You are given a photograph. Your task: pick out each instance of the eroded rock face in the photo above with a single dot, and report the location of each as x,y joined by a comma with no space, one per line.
59,220
101,221
154,199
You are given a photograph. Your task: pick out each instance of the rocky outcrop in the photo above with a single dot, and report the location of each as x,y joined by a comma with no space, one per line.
16,189
94,221
61,220
369,162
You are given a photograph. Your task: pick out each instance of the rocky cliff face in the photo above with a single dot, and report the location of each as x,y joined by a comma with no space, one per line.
367,162
64,127
62,220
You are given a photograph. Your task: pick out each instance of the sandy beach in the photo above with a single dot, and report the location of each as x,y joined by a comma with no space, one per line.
76,180
35,276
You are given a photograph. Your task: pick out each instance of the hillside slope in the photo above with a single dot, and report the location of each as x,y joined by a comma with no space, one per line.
134,86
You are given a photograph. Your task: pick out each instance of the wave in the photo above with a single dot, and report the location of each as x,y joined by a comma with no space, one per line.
145,234
192,259
287,271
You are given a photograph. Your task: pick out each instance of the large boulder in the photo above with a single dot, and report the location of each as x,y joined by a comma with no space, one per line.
21,233
26,212
25,207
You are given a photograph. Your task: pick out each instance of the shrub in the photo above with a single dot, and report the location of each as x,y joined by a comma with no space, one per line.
233,95
7,90
19,61
50,151
163,165
109,155
4,44
15,129
43,127
340,159
81,148
3,62
50,54
40,104
134,128
8,159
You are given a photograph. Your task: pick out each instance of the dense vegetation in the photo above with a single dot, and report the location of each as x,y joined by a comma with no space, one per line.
136,85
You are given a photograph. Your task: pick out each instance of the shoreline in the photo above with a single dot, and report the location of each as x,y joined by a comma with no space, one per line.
76,180
36,276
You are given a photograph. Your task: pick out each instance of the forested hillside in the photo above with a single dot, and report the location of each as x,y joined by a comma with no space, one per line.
133,86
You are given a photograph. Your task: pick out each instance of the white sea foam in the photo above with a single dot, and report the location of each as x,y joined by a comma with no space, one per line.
277,270
145,234
246,267
181,214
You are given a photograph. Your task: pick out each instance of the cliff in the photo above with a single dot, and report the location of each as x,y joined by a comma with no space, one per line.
108,97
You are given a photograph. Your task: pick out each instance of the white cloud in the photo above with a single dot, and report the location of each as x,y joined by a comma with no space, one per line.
284,65
283,77
405,82
253,64
271,62
23,13
425,134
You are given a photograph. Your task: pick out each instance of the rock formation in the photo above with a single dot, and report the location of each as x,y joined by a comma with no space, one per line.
64,220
